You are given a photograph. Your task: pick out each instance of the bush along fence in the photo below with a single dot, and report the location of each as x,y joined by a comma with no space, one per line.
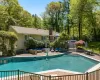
21,75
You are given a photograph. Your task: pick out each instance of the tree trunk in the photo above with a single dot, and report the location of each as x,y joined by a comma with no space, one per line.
80,27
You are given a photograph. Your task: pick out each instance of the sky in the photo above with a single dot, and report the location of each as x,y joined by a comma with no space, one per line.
35,6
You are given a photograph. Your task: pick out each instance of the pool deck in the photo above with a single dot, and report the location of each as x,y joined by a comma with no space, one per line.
38,54
56,53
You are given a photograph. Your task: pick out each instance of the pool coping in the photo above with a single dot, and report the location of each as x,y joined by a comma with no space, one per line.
62,70
41,56
95,67
89,57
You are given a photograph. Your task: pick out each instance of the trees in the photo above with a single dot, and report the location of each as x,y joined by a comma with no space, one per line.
11,13
82,13
36,21
58,15
77,11
45,21
12,9
3,17
26,19
54,13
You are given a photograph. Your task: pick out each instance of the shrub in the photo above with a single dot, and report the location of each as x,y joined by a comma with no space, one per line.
8,39
60,41
33,43
12,39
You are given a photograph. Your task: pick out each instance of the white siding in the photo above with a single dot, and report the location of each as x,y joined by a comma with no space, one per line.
20,42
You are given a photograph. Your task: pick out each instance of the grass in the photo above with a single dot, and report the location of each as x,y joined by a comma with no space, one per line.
94,46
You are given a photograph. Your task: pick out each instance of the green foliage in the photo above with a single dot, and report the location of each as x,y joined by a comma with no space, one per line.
8,40
60,41
11,13
33,43
12,36
3,17
36,21
45,21
12,39
94,46
83,17
54,16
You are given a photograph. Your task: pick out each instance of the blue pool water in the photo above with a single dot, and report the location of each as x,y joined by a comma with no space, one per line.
35,64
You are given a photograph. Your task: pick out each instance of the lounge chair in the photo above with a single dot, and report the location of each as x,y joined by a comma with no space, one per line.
39,51
89,52
34,52
57,49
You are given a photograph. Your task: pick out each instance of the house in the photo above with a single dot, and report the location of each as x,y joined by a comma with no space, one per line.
23,33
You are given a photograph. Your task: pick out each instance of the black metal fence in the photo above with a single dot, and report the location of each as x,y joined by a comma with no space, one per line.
21,75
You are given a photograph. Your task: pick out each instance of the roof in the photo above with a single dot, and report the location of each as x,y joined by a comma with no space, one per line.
35,31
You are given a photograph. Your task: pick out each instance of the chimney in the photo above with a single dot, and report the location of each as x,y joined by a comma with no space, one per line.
51,37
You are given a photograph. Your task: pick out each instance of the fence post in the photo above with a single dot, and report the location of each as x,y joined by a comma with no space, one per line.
87,76
18,74
50,77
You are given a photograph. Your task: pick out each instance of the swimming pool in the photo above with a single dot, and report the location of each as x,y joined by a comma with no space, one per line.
76,63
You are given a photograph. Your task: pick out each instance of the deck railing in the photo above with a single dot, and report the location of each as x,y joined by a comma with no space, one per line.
21,75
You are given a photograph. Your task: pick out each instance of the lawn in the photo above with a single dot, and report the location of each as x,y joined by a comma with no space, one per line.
94,46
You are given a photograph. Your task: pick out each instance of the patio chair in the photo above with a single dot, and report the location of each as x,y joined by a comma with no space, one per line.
39,51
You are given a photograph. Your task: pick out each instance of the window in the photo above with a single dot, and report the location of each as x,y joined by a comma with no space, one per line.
43,37
26,37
